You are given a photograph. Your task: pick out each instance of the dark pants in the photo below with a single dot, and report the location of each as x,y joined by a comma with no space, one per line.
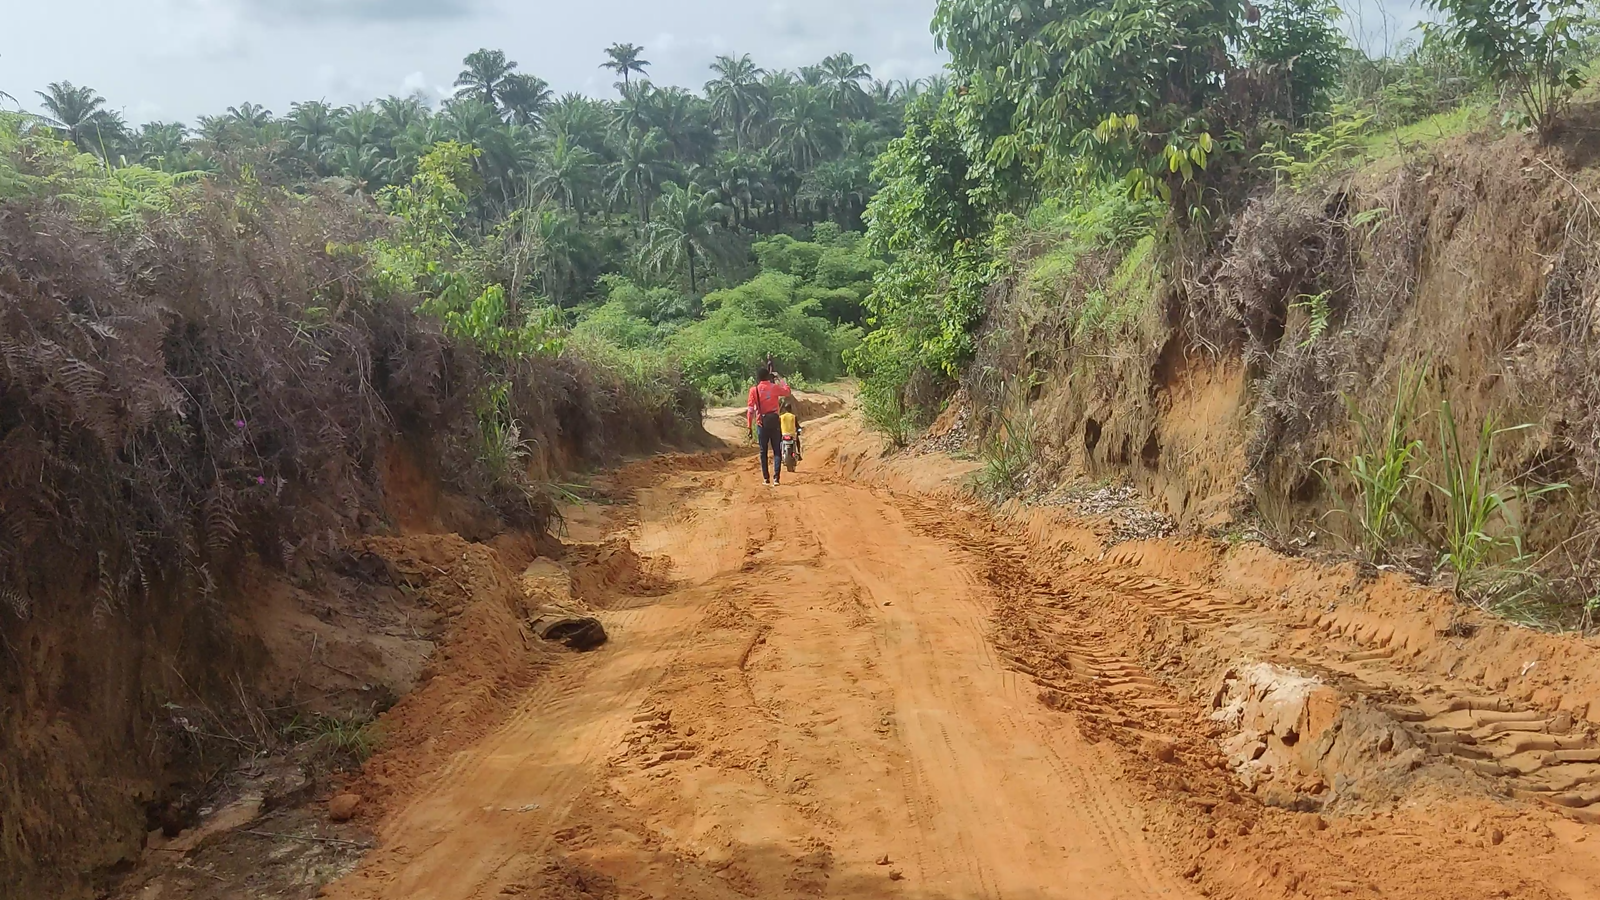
770,434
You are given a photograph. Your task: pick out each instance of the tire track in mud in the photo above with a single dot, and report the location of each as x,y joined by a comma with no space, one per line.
1104,829
1097,637
1521,751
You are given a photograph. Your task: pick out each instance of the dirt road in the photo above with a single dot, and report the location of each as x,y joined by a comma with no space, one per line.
852,690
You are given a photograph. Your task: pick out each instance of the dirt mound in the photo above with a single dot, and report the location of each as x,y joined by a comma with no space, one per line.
810,405
608,574
1323,748
198,418
485,657
1268,775
620,483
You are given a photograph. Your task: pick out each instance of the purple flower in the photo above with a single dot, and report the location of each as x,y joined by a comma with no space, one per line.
238,423
260,480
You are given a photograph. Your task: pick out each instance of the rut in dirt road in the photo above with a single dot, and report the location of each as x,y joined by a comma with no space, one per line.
851,692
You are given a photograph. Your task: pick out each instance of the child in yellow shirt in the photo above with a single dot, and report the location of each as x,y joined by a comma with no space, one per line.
789,425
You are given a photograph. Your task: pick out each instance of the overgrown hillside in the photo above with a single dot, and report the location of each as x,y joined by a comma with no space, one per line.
210,389
1284,287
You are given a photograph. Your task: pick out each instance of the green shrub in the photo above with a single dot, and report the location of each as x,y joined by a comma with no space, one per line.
1007,455
763,317
1479,527
1384,471
1534,48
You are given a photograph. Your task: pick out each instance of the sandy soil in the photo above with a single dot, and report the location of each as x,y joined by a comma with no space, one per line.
862,685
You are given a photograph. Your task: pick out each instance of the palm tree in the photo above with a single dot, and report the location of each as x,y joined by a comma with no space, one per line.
526,98
561,254
162,145
468,120
363,165
806,127
78,112
250,115
776,86
685,230
409,145
862,138
639,169
778,82
509,151
566,174
934,85
738,180
484,75
216,133
843,78
399,113
683,119
635,112
735,94
583,120
310,126
840,187
624,59
359,126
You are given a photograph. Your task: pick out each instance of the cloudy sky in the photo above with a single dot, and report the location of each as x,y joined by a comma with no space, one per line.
175,59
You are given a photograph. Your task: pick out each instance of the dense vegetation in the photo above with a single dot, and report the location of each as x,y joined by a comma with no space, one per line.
1075,125
644,209
1067,209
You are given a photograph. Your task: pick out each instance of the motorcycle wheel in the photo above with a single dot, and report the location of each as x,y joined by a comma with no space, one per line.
788,460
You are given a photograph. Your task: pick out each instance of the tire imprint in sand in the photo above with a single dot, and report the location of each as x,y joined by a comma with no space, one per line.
1074,627
1520,751
1112,825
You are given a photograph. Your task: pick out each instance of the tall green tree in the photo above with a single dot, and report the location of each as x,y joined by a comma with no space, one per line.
684,231
1129,87
252,116
80,113
401,113
843,79
483,75
310,127
164,146
567,174
736,95
526,98
806,126
625,59
638,172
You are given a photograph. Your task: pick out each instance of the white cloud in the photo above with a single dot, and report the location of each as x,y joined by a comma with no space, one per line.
204,30
184,58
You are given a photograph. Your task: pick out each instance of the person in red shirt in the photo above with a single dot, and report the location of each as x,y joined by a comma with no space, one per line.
762,418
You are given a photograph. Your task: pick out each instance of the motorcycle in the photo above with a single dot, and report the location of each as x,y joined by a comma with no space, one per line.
790,449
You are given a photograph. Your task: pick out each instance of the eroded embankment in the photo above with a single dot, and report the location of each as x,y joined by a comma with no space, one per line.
279,826
205,409
1229,397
